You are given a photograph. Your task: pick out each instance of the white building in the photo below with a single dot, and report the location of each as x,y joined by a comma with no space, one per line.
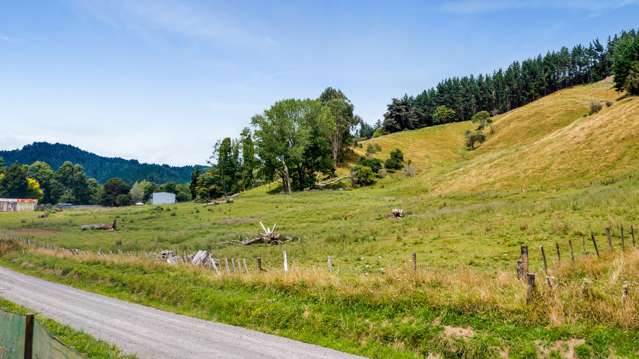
163,198
17,204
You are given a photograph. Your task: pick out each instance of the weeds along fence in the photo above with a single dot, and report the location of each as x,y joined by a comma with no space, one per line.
24,337
611,240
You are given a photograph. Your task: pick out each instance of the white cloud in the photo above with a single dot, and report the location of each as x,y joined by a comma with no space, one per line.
7,38
482,6
172,17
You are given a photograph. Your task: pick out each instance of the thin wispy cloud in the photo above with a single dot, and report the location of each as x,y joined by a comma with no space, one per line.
7,38
484,6
171,17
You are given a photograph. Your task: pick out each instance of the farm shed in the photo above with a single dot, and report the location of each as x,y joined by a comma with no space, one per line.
163,198
17,204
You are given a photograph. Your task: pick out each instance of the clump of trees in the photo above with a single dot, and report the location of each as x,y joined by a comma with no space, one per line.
69,184
626,63
368,169
295,140
477,136
459,98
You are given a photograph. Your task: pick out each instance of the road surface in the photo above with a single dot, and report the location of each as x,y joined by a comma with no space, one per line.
148,332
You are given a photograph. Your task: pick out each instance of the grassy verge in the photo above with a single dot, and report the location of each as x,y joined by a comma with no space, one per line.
395,315
80,341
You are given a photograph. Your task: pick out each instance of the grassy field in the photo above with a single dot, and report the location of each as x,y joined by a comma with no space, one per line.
549,174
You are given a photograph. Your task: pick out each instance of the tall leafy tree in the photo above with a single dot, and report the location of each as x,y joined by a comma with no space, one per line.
341,112
285,142
115,193
249,162
44,174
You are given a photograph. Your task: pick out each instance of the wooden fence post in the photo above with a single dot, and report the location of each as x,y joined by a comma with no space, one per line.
572,251
558,253
245,266
28,336
609,236
632,234
226,262
625,293
259,264
329,263
530,293
520,269
414,259
285,262
524,259
543,255
623,241
594,242
233,265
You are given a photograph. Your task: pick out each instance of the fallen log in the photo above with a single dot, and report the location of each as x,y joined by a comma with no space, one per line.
100,226
268,236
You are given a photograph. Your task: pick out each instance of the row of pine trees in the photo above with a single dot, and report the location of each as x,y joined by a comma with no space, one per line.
503,90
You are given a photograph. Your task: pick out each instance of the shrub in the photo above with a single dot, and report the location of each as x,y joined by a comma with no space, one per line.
473,137
395,161
378,132
362,176
595,106
375,164
609,103
373,148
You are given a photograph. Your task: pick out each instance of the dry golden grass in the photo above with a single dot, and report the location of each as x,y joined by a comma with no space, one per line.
588,291
548,151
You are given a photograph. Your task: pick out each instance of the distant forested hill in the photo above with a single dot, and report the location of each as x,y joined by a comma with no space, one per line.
98,167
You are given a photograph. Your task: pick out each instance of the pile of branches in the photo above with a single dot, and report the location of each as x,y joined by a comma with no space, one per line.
267,236
398,213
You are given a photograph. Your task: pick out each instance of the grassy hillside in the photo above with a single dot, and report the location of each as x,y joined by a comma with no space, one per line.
549,175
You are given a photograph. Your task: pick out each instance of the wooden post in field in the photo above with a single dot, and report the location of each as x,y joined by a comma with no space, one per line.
524,260
259,264
329,263
572,251
632,234
285,262
233,265
558,253
226,262
245,266
28,337
625,294
214,265
520,269
414,259
609,236
623,241
543,256
594,242
532,288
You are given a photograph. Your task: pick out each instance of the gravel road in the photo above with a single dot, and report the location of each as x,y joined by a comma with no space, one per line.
148,332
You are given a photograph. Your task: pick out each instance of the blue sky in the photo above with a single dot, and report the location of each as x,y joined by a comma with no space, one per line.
161,80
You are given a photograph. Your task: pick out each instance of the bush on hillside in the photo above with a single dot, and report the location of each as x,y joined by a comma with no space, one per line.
595,106
395,161
375,164
362,176
373,148
609,103
473,138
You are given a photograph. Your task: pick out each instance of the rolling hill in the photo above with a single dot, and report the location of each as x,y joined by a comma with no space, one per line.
549,143
98,167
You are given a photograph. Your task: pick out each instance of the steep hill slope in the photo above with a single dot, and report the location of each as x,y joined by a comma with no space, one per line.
98,167
549,143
